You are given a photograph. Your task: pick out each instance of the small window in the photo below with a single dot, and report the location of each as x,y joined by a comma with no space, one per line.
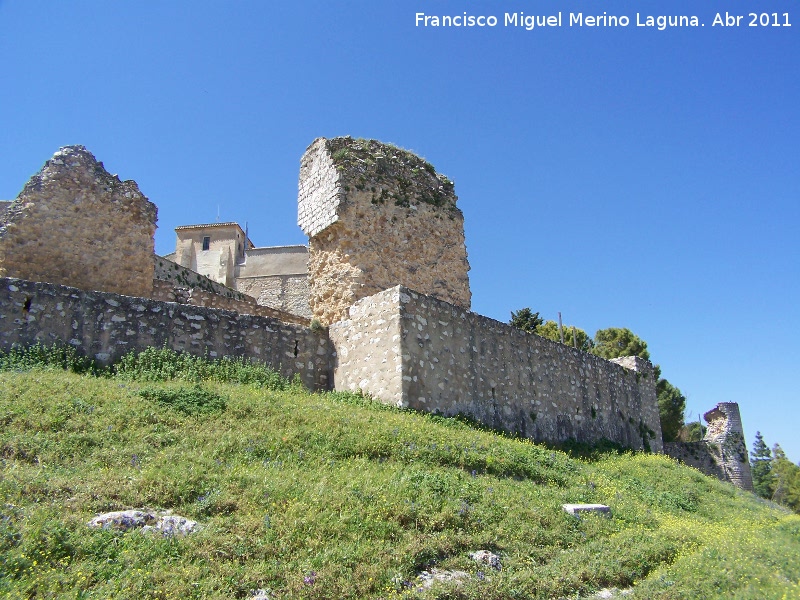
206,242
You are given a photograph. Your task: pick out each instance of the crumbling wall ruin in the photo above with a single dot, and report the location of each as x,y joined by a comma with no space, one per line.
76,224
722,453
378,216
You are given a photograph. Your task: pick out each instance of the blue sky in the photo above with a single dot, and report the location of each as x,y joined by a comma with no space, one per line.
625,176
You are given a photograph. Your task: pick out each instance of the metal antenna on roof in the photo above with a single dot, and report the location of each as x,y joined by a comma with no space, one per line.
217,213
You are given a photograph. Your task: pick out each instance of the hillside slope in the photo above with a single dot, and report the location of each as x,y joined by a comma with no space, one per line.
331,496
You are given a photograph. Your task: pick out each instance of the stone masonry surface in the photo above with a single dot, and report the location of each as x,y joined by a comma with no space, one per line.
378,216
416,351
105,326
75,224
725,430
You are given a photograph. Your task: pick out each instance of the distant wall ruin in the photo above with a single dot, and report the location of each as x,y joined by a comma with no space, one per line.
722,453
377,217
75,224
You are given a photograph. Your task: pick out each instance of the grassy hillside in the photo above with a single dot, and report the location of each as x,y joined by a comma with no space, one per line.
333,496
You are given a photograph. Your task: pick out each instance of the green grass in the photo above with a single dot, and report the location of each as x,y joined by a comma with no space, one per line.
333,496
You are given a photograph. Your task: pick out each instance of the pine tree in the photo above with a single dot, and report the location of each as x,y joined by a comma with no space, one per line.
761,467
526,319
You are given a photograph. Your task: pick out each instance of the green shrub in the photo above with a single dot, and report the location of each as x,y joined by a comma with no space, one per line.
187,400
40,356
164,364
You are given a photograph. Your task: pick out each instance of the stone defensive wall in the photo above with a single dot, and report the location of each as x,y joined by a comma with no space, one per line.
415,351
378,216
75,224
105,326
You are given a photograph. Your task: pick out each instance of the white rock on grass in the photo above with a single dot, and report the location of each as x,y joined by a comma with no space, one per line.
146,521
428,578
487,558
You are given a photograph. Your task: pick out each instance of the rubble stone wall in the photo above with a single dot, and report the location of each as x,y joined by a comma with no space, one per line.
105,326
701,455
378,216
437,357
76,224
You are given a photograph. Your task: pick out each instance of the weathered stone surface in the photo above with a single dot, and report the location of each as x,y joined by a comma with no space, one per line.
576,509
725,431
75,224
611,593
487,558
722,453
378,216
415,351
427,579
146,521
106,326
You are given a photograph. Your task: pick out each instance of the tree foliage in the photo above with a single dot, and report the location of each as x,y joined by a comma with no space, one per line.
775,477
619,341
526,320
580,340
671,406
692,432
761,467
785,480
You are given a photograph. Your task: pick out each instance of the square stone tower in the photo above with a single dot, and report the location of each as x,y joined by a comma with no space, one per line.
213,250
378,216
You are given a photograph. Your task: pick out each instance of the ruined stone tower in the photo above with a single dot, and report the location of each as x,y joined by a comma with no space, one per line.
75,224
726,438
376,217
